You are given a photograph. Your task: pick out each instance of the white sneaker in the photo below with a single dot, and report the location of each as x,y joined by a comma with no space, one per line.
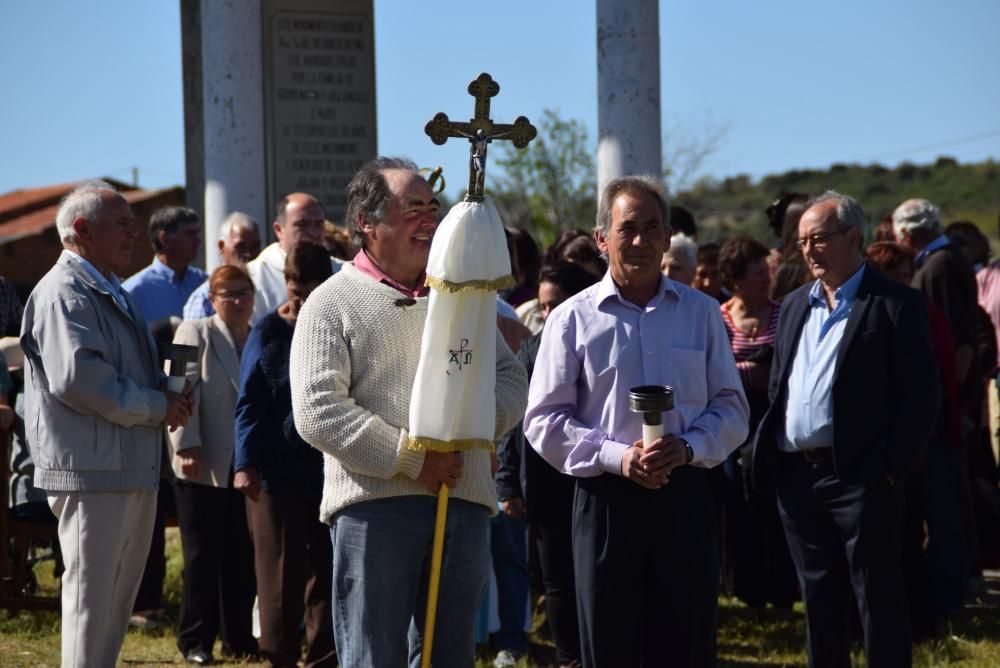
506,659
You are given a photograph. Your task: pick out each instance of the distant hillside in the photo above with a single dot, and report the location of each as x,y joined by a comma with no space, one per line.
736,204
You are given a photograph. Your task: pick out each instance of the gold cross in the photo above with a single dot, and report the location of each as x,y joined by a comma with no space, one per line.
480,131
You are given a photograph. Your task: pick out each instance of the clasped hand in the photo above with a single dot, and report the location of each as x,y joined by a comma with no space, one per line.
651,466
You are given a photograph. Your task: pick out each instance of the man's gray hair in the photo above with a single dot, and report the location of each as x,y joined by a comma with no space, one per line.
684,247
85,202
915,214
849,211
368,195
640,183
234,221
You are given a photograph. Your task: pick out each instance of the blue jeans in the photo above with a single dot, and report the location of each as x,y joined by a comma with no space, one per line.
509,546
381,565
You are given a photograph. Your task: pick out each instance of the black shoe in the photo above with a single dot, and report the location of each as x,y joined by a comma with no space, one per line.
199,657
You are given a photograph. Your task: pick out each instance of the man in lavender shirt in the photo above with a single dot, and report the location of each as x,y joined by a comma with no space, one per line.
644,526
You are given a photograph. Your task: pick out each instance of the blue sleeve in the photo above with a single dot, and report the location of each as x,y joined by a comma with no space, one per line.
253,398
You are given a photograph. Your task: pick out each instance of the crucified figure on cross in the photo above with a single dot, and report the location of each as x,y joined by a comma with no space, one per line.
480,131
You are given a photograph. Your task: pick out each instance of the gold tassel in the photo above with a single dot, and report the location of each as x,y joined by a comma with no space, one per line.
442,285
423,444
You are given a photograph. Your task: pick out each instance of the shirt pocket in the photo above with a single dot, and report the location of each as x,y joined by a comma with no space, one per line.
684,370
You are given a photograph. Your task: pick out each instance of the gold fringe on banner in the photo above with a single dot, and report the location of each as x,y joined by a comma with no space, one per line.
442,285
423,444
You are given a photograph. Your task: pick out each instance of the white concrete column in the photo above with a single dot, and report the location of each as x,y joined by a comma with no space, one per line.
628,89
233,114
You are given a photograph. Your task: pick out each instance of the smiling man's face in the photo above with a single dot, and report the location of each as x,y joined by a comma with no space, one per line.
401,242
636,240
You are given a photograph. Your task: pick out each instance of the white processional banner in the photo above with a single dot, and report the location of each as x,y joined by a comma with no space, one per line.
453,404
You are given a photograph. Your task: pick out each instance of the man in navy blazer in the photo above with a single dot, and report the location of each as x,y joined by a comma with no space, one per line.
854,397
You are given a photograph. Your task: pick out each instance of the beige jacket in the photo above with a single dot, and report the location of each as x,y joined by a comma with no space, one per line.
93,407
215,382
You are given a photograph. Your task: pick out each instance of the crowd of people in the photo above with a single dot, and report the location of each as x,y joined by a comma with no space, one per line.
832,435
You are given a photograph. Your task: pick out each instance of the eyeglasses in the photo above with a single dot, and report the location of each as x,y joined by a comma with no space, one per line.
819,241
232,297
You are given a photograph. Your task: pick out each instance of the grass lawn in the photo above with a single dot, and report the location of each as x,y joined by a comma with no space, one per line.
746,637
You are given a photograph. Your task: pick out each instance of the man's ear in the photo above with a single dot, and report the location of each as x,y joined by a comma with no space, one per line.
81,228
279,230
365,226
602,241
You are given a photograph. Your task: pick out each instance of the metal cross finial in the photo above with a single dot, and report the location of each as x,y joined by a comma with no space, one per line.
480,131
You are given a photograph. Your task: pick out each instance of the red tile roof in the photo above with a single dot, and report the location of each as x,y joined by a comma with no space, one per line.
31,211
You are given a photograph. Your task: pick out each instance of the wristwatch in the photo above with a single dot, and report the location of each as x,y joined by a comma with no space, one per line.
690,451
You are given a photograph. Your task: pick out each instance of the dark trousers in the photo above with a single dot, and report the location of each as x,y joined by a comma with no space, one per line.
219,587
845,537
509,552
551,520
756,552
647,571
294,564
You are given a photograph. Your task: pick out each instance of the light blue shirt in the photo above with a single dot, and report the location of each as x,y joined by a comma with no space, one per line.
198,305
940,242
597,345
809,411
112,285
158,291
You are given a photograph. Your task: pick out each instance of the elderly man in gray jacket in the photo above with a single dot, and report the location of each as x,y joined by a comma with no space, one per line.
95,417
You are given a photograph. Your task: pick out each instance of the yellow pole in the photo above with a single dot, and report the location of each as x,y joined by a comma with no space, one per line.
432,589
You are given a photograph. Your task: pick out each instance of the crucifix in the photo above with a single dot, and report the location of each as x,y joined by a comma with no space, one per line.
480,131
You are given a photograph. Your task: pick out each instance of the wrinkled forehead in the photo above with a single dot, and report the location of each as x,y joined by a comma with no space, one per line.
113,207
820,217
304,208
244,233
408,186
631,203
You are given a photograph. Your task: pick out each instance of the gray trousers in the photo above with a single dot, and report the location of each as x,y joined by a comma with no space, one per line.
105,538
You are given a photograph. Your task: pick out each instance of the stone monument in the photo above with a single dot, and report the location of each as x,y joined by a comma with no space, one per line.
279,97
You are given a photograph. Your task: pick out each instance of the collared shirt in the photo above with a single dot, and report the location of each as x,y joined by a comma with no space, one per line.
112,285
940,242
267,271
364,264
159,292
198,305
597,345
809,411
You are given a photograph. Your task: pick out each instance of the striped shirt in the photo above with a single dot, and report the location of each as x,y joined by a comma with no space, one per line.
746,345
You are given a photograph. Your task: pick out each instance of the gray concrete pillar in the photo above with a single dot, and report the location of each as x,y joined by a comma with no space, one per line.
628,89
227,111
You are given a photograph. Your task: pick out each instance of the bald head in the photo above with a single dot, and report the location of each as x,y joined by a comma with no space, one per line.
299,220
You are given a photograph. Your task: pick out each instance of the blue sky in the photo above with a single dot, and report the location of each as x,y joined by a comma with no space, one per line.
93,88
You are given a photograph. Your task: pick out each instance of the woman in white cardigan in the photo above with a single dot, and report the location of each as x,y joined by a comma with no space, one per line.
219,586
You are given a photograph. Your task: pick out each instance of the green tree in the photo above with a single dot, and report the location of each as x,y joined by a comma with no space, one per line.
549,186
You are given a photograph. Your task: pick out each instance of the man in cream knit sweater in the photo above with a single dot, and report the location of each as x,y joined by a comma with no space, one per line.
354,358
